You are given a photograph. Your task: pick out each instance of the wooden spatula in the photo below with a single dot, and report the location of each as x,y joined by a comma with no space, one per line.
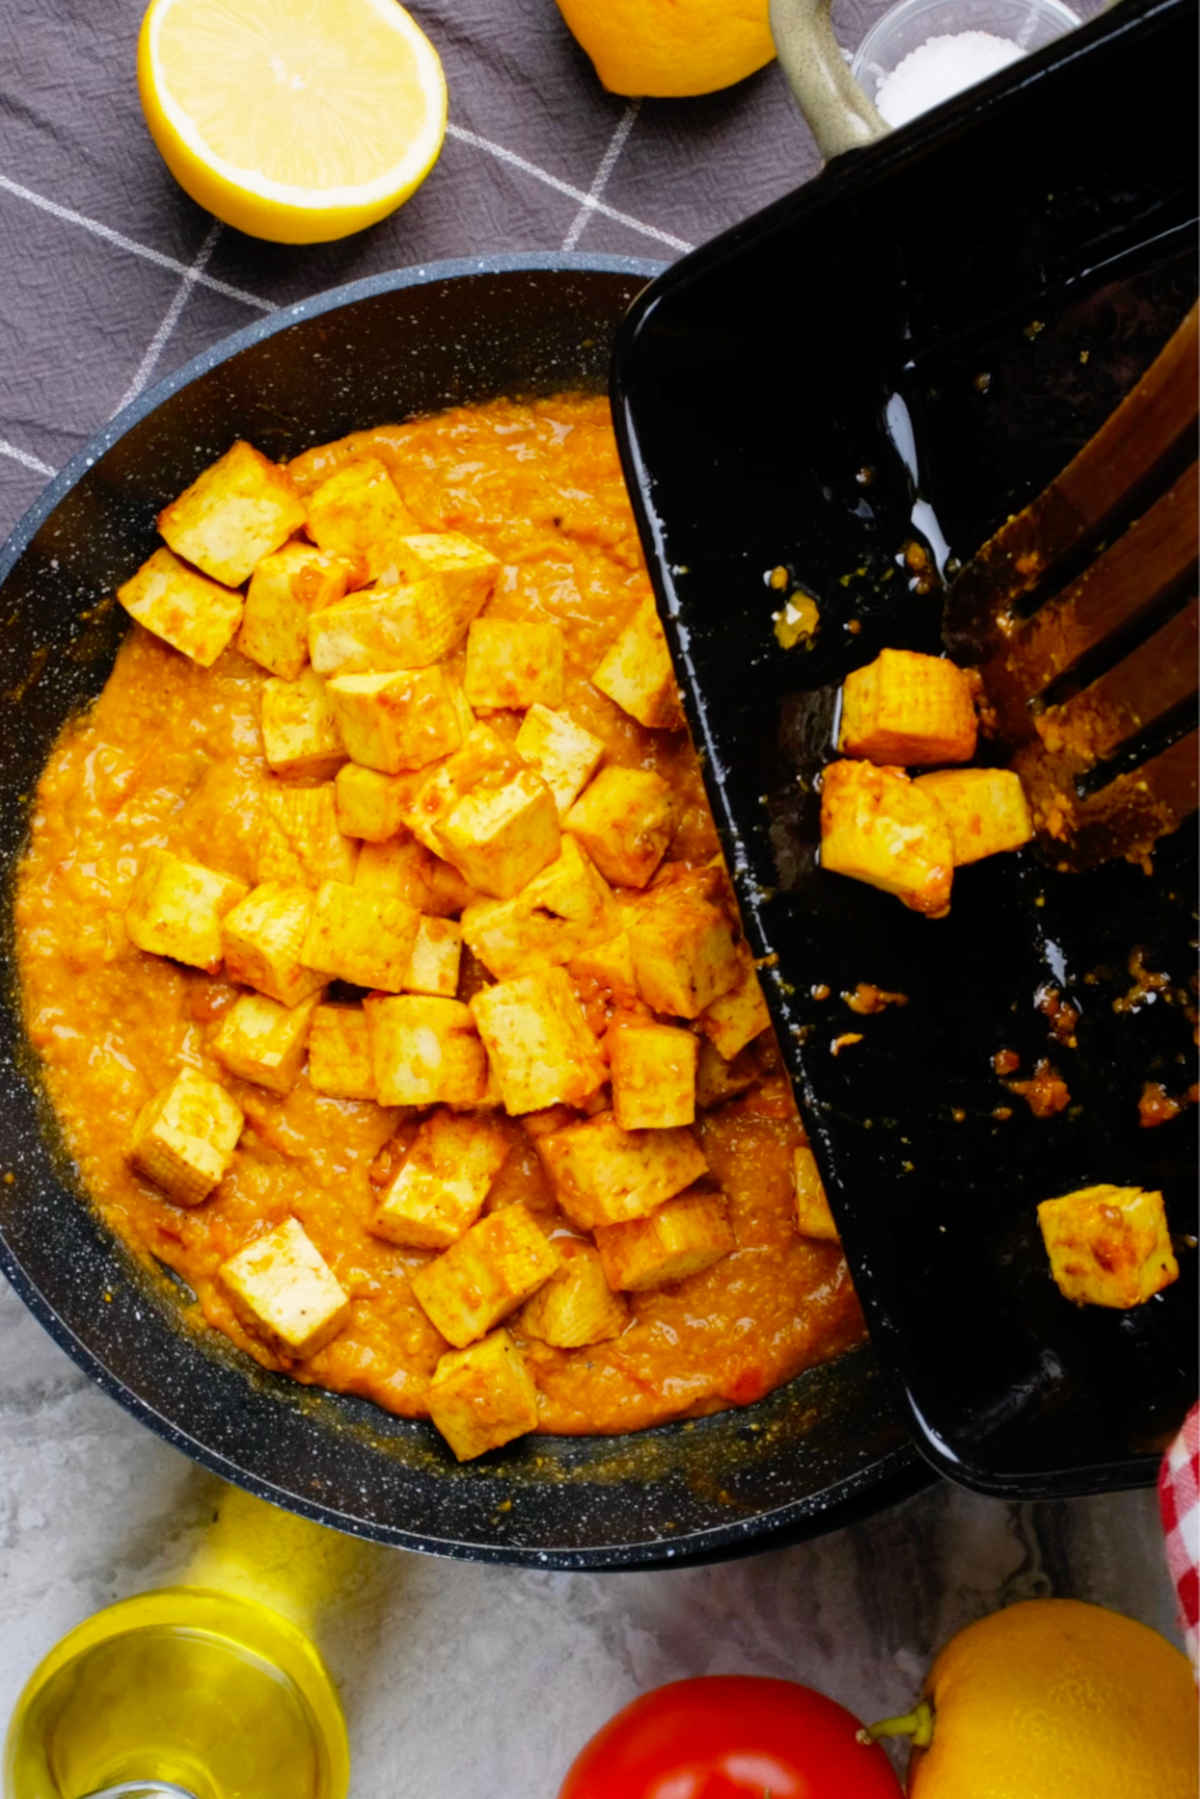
1081,615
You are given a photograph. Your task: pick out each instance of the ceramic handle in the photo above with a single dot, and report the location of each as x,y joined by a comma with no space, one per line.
839,114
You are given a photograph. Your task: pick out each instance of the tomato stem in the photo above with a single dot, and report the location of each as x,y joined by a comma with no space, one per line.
917,1725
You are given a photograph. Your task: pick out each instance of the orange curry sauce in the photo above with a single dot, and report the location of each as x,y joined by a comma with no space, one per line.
170,755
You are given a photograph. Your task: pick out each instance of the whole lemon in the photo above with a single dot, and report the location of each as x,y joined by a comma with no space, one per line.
671,47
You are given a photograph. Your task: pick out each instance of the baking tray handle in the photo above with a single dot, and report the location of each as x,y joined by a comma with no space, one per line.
839,114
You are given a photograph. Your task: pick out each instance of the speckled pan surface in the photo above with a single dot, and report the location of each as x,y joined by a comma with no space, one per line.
813,1455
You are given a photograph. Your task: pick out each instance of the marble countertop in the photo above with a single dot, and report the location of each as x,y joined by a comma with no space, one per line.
483,1681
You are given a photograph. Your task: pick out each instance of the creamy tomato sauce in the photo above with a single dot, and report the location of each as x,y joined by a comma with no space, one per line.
170,755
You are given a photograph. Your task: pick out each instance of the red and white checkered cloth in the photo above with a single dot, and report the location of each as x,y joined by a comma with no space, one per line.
1179,1499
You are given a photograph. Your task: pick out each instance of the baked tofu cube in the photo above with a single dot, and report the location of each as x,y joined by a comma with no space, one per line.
1108,1246
653,1076
605,1175
300,735
234,514
284,589
985,809
513,665
740,1015
625,820
908,710
813,1217
877,826
538,1042
339,1053
426,1052
261,1041
491,1270
565,907
482,1397
498,838
176,908
435,957
263,938
576,1306
637,672
383,628
562,752
359,937
463,569
370,805
448,1173
683,1237
483,760
307,846
718,1080
191,613
283,1289
357,512
184,1138
395,721
607,965
685,950
407,871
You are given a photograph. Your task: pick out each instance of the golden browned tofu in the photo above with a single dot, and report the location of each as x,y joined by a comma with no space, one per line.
813,1217
498,838
907,710
370,805
300,735
261,1041
283,1289
653,1076
562,752
566,907
307,846
683,1237
407,871
607,965
426,1052
383,628
718,1080
446,1176
434,959
359,937
284,589
339,1053
985,809
538,1042
235,513
191,613
625,820
877,826
739,1016
576,1306
637,672
511,665
184,1138
397,721
485,1275
464,570
1108,1246
176,908
482,1397
483,760
357,512
605,1175
685,949
263,939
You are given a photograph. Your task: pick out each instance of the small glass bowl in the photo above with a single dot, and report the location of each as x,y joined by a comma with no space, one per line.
1027,23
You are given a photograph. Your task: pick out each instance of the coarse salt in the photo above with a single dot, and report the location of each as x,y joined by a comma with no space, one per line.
940,67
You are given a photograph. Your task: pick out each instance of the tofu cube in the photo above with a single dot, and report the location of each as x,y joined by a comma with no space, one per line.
407,871
607,966
358,512
176,908
653,1075
435,957
625,820
1108,1246
234,514
370,805
498,838
877,826
463,569
562,752
395,721
813,1217
513,665
261,1041
300,734
263,938
538,1042
482,1397
486,1274
339,1053
637,672
576,1306
483,760
718,1080
283,1289
683,1237
685,950
448,1173
907,710
359,937
191,613
985,809
426,1052
184,1138
383,628
284,589
739,1016
564,908
605,1175
307,846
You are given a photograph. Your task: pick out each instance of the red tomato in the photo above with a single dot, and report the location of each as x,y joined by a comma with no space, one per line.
731,1736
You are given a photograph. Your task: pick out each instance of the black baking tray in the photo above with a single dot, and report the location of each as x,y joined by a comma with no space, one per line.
913,344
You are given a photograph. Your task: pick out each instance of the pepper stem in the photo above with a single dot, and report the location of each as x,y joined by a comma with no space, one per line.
917,1725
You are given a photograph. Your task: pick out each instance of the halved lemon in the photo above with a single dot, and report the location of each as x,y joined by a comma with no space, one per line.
293,120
